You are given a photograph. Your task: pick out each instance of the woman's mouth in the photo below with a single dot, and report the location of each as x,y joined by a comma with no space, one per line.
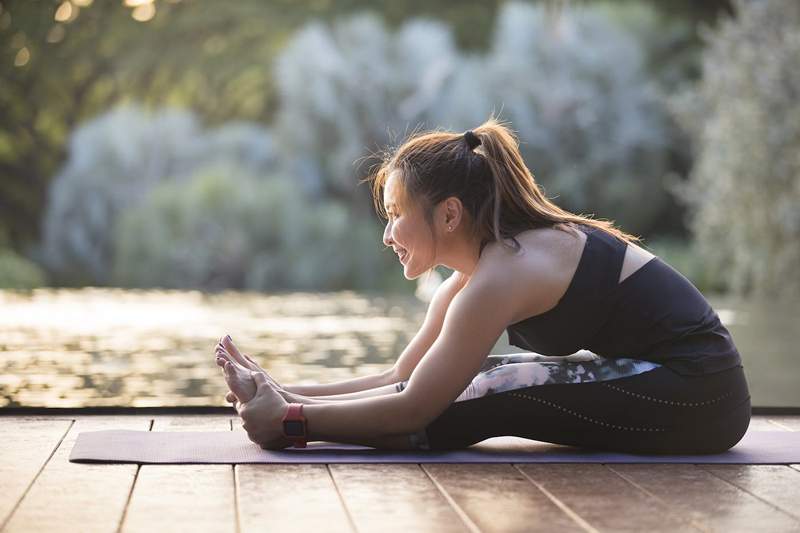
402,255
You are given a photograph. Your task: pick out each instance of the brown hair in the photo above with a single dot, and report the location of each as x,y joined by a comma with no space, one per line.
496,188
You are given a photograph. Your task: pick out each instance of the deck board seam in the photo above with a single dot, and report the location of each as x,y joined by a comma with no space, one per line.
471,526
347,513
691,521
756,496
779,424
575,517
38,473
130,492
237,520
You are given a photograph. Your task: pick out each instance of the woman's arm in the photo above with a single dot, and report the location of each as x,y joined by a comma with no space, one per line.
343,387
474,323
407,361
368,393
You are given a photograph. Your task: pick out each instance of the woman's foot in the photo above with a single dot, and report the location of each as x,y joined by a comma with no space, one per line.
226,343
240,381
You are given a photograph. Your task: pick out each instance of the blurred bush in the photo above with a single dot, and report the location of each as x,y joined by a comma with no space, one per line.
154,198
572,82
17,272
114,162
151,199
745,120
223,228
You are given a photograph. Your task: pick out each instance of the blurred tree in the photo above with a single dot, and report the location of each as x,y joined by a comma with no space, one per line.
115,161
745,120
64,61
593,128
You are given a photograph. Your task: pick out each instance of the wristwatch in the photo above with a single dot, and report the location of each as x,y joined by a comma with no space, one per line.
294,425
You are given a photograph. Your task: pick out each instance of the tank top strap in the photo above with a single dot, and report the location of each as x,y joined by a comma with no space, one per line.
600,268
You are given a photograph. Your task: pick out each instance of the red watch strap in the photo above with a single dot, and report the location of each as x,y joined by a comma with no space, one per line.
295,414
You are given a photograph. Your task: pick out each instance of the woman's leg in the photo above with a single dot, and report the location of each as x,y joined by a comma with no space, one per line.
620,405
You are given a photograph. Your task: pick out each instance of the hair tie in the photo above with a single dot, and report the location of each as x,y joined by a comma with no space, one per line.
473,141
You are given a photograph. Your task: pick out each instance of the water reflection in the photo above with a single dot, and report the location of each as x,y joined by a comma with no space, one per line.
98,347
114,347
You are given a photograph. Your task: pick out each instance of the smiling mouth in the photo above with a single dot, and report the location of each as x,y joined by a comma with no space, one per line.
402,255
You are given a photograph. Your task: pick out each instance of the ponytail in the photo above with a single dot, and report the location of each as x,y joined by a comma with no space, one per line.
485,170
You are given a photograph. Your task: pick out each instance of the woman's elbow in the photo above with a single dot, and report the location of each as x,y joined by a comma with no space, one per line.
413,416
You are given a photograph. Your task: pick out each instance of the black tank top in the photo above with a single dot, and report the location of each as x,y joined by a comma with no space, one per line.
655,314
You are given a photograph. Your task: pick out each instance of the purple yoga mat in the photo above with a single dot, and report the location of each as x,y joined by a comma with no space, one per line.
233,447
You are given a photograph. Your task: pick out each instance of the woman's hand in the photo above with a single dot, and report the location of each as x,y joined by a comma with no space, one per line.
226,350
262,416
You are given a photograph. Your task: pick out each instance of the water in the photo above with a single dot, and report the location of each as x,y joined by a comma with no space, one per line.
115,347
112,347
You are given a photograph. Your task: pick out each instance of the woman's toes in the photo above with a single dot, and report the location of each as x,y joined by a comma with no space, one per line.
234,352
239,381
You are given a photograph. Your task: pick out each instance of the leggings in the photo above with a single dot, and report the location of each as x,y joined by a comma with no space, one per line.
619,405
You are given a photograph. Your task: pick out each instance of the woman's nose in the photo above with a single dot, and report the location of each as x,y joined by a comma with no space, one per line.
387,233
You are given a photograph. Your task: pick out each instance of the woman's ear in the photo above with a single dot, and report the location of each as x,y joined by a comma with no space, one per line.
453,213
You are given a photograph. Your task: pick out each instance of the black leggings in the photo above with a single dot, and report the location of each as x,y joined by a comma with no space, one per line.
654,412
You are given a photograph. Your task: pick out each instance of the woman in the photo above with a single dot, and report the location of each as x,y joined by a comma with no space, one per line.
629,356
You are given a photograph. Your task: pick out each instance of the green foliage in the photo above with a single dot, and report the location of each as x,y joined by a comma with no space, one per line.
213,57
745,120
225,229
16,272
115,161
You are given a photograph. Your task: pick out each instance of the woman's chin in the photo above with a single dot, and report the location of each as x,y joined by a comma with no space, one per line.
409,273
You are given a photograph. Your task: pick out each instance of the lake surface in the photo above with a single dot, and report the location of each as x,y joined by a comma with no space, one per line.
120,347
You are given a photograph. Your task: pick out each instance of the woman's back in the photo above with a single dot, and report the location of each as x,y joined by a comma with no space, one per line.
654,313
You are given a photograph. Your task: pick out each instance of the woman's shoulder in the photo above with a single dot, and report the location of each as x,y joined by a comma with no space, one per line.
535,276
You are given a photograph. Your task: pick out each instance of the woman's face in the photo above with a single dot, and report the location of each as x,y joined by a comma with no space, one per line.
407,231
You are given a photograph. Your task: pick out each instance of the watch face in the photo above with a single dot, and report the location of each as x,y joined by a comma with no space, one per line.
294,428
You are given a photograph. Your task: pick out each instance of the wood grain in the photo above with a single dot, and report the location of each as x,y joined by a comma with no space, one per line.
499,498
777,485
25,448
79,497
707,499
394,497
187,497
289,497
604,500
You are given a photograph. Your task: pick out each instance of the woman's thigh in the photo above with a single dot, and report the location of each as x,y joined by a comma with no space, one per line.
630,406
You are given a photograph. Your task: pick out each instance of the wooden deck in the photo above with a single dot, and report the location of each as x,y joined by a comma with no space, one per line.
40,490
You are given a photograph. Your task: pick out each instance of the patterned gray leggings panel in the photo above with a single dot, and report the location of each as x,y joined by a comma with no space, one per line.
501,373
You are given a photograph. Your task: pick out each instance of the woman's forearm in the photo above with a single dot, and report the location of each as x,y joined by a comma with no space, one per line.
363,383
368,393
383,421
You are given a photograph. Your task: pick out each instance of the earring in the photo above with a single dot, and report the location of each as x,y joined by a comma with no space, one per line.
449,228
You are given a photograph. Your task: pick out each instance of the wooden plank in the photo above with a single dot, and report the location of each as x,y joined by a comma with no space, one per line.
289,497
703,497
267,497
762,423
183,497
394,497
498,497
776,484
789,423
79,497
603,500
25,448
